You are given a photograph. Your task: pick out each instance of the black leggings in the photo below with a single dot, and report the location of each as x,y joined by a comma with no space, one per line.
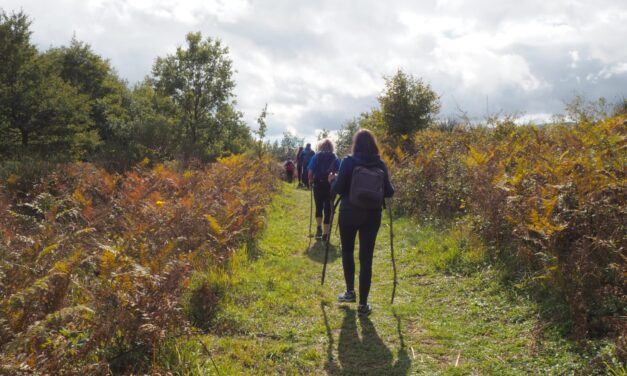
322,197
367,223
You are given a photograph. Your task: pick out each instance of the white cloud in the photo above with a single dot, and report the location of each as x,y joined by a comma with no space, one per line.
319,63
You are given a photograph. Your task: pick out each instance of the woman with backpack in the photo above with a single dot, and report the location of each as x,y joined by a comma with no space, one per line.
321,165
362,182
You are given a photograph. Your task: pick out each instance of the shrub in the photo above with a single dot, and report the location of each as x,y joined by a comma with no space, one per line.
93,265
549,200
204,297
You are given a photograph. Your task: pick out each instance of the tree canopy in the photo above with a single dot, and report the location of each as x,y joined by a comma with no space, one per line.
68,103
39,111
407,104
198,79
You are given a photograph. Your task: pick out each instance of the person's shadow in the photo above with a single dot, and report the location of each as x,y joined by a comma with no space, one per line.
316,249
367,355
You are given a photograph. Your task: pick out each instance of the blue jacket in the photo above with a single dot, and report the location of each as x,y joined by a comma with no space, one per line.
342,184
314,162
306,155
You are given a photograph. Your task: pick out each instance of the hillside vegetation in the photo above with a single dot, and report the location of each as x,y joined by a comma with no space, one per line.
549,201
97,270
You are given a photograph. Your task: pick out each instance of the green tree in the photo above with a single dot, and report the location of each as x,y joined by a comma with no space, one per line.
235,134
198,78
324,133
289,145
261,130
286,148
94,77
38,110
582,110
407,104
152,131
345,137
17,53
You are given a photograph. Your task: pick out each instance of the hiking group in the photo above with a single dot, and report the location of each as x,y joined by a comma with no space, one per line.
361,183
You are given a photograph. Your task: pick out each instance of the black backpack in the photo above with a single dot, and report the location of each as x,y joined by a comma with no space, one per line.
324,165
367,186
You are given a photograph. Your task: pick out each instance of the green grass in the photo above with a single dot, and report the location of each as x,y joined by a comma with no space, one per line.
451,315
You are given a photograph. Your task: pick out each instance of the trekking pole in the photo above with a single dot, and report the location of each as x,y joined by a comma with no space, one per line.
326,252
392,249
310,210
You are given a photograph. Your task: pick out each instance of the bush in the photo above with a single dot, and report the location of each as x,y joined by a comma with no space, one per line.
205,297
93,265
550,202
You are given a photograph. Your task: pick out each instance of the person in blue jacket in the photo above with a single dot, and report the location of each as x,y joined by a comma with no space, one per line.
355,220
306,156
320,166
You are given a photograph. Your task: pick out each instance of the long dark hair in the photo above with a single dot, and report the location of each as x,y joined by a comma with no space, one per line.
365,143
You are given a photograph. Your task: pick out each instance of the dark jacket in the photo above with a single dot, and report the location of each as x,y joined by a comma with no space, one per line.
328,162
305,156
342,183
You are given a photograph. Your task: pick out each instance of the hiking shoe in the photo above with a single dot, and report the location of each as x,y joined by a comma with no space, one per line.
318,232
347,297
364,309
325,237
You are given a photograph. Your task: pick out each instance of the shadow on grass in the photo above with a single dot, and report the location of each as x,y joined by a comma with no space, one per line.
316,249
365,355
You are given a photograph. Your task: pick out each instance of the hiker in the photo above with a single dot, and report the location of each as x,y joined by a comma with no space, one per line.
306,156
299,166
289,170
320,166
360,211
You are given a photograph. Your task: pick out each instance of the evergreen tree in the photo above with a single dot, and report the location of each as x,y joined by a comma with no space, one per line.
39,112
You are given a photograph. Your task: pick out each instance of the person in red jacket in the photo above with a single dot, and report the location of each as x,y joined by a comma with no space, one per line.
289,170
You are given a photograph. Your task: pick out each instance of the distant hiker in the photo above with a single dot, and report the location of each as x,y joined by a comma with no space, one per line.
362,182
289,170
320,166
299,166
306,156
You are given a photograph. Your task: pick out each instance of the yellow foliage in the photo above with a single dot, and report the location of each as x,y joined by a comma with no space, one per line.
12,179
476,158
47,250
107,262
78,196
400,154
214,225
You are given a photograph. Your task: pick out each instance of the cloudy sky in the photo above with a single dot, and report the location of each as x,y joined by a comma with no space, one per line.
319,63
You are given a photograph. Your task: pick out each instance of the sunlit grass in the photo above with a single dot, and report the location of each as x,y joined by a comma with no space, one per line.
451,315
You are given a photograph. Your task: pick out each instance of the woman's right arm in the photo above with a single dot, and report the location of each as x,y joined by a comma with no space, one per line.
341,181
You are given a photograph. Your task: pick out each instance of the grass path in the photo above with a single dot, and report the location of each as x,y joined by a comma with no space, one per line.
279,320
